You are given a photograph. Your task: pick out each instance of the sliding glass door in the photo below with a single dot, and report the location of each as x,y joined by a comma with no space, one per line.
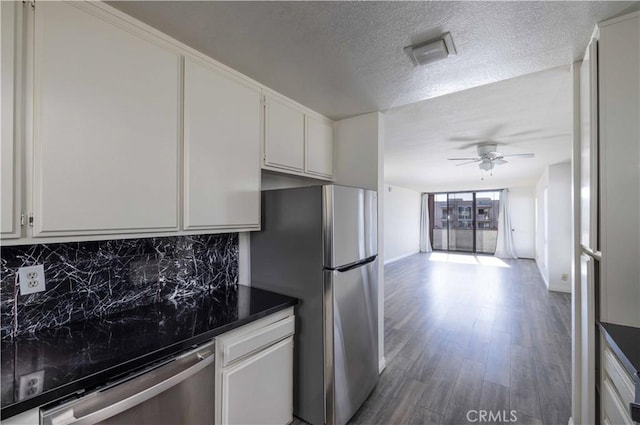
465,221
460,221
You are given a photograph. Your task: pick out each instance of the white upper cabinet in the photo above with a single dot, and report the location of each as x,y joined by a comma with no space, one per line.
284,135
295,141
619,109
319,147
222,137
118,129
107,125
10,226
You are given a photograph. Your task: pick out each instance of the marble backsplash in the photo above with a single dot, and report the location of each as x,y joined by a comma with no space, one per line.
86,280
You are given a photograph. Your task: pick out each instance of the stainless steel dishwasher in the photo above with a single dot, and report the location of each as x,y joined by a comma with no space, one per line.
178,391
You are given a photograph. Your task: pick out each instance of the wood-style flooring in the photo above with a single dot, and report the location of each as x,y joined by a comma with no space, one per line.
471,333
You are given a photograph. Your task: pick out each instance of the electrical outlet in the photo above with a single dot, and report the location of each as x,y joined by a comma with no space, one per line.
31,279
564,277
31,384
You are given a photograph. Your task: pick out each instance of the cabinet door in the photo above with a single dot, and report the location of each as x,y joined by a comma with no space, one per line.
9,203
107,114
222,150
284,135
319,147
259,390
619,109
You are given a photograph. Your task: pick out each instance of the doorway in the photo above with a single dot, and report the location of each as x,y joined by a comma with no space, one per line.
465,221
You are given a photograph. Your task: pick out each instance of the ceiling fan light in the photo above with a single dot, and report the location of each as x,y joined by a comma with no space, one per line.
486,165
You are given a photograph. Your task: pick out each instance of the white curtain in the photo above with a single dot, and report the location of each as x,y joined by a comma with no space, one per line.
505,247
425,242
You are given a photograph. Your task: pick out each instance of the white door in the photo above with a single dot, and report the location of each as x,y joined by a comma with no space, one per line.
284,135
107,114
10,225
319,147
259,390
587,340
222,150
589,153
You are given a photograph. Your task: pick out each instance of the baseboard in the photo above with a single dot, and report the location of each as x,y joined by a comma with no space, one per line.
382,364
393,260
546,282
559,289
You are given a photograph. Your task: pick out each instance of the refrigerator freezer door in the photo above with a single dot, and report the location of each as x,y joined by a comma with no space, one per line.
587,339
354,341
350,220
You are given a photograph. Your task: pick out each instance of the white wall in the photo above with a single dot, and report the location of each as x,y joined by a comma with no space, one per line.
540,225
522,214
358,160
356,151
553,227
560,224
244,258
401,222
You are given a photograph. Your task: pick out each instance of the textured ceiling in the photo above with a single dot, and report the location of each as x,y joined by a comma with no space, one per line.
346,58
532,113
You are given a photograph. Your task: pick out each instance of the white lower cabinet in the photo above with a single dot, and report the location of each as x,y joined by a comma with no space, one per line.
254,372
30,417
617,389
258,390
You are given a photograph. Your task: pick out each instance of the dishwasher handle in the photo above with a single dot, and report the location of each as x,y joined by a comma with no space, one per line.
104,404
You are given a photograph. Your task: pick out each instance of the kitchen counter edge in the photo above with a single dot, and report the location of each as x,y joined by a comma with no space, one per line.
119,371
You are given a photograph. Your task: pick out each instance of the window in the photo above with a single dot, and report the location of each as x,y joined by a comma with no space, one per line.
465,221
464,213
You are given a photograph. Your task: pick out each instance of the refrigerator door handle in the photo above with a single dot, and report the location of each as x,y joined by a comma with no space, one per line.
356,264
592,253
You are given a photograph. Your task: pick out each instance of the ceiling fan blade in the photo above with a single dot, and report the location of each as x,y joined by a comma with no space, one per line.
494,131
470,162
464,159
480,142
463,139
535,139
499,161
520,133
521,155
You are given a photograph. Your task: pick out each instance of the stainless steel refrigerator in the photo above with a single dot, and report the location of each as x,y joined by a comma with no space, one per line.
319,244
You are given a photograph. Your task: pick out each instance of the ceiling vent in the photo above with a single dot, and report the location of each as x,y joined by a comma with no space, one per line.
432,50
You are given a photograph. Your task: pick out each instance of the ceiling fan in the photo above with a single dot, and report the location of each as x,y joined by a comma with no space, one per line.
488,156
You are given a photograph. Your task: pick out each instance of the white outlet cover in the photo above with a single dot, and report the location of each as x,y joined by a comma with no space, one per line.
31,279
31,384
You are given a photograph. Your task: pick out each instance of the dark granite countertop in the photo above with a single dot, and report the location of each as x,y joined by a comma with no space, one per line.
625,341
75,358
